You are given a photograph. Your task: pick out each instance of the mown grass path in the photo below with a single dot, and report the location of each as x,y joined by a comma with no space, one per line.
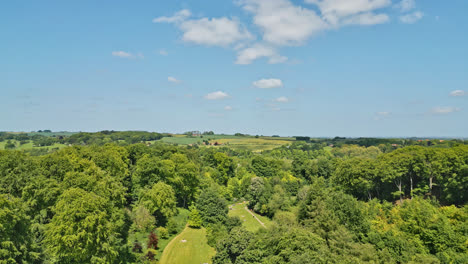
250,220
189,247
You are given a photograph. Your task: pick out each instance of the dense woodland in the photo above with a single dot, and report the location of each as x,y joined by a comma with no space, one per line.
108,199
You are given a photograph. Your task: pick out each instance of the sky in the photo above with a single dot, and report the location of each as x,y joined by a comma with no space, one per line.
321,68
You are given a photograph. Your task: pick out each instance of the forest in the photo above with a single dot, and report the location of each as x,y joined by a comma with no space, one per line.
110,197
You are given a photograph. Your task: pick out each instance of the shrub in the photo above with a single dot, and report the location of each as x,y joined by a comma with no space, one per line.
163,233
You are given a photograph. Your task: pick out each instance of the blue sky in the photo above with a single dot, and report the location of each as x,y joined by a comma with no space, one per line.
310,67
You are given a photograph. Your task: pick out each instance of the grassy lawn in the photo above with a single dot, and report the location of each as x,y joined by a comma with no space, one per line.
248,221
187,248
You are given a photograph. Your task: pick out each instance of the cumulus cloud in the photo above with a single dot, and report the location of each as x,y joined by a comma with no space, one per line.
282,22
442,110
207,31
173,79
457,93
228,108
337,12
282,99
214,32
248,55
411,18
218,95
127,55
406,5
268,83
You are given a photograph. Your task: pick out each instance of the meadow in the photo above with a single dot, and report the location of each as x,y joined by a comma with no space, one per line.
189,247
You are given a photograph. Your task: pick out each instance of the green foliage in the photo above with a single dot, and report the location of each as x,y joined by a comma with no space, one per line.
213,208
84,229
16,242
142,219
330,204
163,233
195,219
160,201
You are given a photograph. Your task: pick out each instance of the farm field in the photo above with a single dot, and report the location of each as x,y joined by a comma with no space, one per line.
248,221
235,142
251,143
190,247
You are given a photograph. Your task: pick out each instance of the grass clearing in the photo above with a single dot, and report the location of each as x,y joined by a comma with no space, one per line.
248,221
189,247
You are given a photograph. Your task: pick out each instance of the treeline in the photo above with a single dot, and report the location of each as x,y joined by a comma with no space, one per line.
84,138
350,204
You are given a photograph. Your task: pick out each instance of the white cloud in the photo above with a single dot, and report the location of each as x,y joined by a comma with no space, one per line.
412,17
176,18
337,12
127,55
228,108
122,54
218,95
383,113
173,79
282,22
268,83
406,5
248,55
445,110
214,32
366,19
163,52
458,93
207,31
282,99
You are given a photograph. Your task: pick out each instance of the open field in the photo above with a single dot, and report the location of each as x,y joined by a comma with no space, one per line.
190,247
248,221
235,142
29,145
251,143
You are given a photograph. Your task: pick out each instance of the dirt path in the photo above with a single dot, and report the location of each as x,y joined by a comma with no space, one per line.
255,216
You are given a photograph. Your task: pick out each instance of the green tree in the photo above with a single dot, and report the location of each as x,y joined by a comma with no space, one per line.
160,201
195,219
16,243
84,229
213,208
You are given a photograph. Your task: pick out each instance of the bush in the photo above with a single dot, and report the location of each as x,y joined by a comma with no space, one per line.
172,226
195,219
163,233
